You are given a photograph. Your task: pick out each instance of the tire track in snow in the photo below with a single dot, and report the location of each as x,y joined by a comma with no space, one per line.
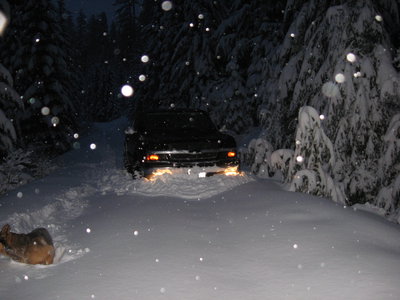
179,185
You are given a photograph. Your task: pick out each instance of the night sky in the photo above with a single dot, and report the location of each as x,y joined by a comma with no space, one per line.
91,6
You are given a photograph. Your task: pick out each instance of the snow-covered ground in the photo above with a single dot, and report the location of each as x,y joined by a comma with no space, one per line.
185,238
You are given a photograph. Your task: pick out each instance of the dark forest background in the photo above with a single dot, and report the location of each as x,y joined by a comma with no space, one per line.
262,64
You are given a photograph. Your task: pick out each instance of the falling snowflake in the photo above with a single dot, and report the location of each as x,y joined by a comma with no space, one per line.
3,22
351,57
142,77
299,159
166,5
93,146
127,90
145,58
378,18
45,111
88,230
340,78
329,89
55,121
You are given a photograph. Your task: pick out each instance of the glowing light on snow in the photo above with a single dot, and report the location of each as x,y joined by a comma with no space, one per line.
299,159
3,22
351,57
45,111
295,246
76,135
157,173
379,18
88,230
330,89
232,171
340,78
322,117
166,5
55,121
145,58
142,77
127,90
93,146
201,16
20,194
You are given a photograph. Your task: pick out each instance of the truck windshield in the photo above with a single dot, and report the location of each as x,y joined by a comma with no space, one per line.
176,121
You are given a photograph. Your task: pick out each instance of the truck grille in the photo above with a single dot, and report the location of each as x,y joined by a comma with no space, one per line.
193,157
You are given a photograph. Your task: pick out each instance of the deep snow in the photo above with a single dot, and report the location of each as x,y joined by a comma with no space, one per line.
187,238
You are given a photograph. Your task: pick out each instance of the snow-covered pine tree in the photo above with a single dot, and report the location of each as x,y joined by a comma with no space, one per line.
245,38
10,105
311,166
42,77
73,82
100,80
182,54
258,156
388,197
336,57
101,95
127,31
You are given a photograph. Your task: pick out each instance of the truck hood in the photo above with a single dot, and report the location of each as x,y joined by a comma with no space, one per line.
195,141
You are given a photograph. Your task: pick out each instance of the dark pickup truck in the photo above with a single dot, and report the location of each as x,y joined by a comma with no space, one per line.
161,142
